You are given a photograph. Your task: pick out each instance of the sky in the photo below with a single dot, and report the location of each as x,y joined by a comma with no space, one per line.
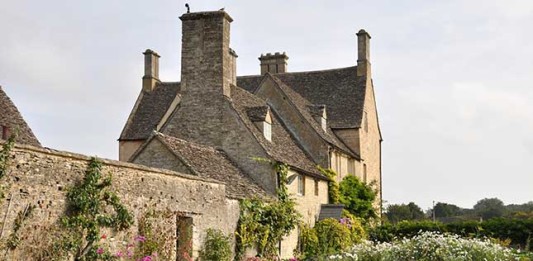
453,79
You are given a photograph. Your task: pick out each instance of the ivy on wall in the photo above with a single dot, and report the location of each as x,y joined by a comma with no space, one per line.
263,225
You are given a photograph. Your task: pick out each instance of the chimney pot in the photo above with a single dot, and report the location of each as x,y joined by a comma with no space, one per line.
151,70
273,63
363,53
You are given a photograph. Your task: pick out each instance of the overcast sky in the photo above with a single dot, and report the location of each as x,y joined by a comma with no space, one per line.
453,79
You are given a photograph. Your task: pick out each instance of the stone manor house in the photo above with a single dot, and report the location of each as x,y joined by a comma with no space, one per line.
202,137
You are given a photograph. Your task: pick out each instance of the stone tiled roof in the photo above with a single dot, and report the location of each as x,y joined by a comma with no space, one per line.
257,113
207,162
303,107
282,148
149,110
11,118
339,89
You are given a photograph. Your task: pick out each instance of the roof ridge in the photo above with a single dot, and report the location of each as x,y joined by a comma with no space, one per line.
300,72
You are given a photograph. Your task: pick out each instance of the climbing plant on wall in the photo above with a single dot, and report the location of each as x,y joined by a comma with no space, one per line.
333,185
4,155
91,206
263,225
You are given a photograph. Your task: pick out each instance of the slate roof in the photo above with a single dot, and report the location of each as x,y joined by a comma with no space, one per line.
149,110
207,162
339,89
282,148
11,118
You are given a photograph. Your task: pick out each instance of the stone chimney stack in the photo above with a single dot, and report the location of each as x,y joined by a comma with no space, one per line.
206,68
233,63
274,63
363,53
151,70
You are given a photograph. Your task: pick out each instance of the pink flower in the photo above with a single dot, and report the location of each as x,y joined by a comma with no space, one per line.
119,254
293,259
140,238
100,251
146,258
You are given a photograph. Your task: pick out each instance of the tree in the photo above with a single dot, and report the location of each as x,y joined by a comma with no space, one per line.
398,212
358,198
488,208
447,210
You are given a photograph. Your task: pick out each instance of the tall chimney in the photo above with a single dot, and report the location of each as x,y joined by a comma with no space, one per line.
363,53
205,54
274,63
233,64
151,70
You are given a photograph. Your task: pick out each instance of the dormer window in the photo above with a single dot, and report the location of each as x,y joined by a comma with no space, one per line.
267,130
261,118
319,114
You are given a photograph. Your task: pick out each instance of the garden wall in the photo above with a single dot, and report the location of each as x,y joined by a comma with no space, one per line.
41,177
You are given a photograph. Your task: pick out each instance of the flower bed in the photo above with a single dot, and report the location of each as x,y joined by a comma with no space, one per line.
432,246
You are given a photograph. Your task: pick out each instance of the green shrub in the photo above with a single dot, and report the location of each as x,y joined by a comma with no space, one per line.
411,229
308,242
216,246
518,231
357,231
358,198
333,236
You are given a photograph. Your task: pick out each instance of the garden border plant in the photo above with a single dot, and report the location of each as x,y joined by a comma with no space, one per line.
88,205
262,225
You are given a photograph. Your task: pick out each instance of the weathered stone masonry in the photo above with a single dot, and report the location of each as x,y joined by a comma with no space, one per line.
41,177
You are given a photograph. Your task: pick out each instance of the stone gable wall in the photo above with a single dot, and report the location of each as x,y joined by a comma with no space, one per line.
41,177
371,141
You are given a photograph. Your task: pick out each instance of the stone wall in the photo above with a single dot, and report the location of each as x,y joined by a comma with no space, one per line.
126,148
41,177
370,137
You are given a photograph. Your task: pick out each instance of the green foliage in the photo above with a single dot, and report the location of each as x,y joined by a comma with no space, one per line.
90,207
329,236
518,231
4,155
358,198
488,208
14,239
399,212
333,186
158,238
333,236
447,210
308,240
216,247
357,231
263,225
